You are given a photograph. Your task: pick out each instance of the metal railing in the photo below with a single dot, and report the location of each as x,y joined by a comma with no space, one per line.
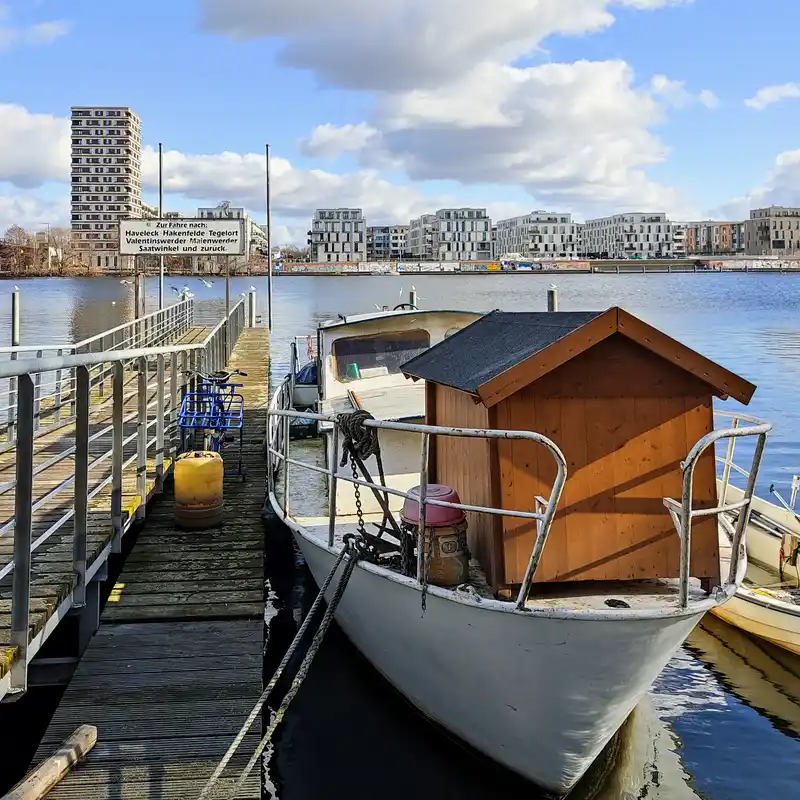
157,381
59,385
278,450
682,514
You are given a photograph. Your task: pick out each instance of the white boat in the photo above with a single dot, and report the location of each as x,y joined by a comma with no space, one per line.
767,605
519,659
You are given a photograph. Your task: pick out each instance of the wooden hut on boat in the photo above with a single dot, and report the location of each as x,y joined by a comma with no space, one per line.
623,401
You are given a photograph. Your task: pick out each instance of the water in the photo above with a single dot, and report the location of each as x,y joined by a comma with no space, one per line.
722,722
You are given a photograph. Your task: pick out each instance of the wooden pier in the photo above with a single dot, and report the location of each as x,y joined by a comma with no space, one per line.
176,665
53,496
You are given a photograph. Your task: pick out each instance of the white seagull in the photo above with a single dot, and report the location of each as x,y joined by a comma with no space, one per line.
207,284
126,282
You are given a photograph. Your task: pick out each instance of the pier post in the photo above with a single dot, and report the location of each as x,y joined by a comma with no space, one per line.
251,308
12,382
552,299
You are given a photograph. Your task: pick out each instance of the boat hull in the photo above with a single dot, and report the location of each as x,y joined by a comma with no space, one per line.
774,621
540,695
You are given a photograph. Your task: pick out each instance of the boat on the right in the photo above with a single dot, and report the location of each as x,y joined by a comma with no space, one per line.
767,604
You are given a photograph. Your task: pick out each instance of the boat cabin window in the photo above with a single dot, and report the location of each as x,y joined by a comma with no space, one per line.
360,357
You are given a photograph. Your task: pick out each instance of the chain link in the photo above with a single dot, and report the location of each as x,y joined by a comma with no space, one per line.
427,539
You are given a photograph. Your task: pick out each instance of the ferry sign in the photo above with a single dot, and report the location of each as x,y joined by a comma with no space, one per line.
181,237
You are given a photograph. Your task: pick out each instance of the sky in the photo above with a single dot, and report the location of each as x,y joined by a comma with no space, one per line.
402,107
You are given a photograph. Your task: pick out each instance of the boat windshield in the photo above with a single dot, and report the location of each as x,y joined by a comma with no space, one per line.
360,357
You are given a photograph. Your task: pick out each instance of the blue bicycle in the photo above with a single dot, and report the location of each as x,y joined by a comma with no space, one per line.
215,410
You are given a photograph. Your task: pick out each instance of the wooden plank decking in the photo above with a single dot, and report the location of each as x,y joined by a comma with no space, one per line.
52,576
177,663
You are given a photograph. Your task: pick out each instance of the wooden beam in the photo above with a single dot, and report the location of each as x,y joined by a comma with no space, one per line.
721,379
552,357
38,783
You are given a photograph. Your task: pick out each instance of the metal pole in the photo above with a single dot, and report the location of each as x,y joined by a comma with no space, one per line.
23,502
423,493
118,388
269,250
141,440
552,299
12,382
160,216
81,487
227,287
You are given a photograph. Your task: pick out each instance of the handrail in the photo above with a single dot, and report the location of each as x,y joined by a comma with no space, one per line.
33,366
682,513
151,380
543,519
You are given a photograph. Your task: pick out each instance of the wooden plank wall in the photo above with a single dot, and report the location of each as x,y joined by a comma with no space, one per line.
466,465
624,420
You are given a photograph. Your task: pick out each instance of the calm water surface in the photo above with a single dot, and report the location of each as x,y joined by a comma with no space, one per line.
723,721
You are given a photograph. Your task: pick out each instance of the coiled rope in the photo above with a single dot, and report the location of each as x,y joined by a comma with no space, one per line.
357,438
352,549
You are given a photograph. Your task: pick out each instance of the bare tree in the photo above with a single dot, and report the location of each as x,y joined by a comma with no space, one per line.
19,249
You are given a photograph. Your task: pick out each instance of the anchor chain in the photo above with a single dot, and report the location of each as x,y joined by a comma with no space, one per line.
354,548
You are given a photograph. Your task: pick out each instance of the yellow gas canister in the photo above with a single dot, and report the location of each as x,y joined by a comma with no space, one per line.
198,490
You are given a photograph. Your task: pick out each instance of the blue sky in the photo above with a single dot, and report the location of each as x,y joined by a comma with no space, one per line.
478,106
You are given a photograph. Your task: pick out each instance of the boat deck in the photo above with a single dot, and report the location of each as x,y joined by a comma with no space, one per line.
575,595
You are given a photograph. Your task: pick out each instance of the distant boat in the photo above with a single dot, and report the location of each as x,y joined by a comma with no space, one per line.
767,605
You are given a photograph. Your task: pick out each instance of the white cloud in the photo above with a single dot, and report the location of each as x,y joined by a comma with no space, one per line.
31,212
768,95
34,148
450,102
708,99
399,45
674,93
781,187
41,33
330,141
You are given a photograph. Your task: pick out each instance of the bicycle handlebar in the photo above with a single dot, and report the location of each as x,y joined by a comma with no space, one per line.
221,376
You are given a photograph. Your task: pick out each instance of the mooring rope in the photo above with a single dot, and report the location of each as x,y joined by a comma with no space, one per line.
352,547
357,437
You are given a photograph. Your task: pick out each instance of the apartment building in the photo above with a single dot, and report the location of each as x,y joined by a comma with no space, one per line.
679,240
773,231
420,237
639,235
462,234
540,234
398,242
338,235
254,235
711,237
106,181
379,243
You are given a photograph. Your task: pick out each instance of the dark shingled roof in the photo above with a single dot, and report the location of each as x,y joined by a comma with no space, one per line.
493,344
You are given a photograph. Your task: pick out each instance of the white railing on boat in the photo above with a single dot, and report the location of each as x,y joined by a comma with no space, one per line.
280,414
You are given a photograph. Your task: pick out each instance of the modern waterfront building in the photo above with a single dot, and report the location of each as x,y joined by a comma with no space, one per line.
462,234
711,237
420,237
106,181
540,234
678,240
398,242
639,235
338,235
773,231
378,243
